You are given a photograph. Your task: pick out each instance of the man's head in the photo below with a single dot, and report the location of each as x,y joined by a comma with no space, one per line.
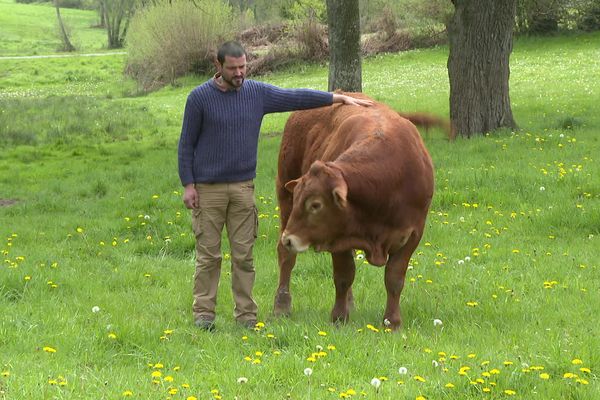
232,64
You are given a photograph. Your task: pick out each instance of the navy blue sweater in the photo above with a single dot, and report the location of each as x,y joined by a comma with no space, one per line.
219,136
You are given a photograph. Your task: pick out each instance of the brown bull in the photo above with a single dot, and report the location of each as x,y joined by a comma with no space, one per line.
349,178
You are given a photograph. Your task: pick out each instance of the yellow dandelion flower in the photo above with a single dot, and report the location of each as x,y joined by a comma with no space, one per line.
112,336
495,371
277,352
322,333
486,390
507,363
176,368
5,374
419,378
191,398
449,385
49,349
258,353
420,398
311,359
214,391
577,361
173,391
244,337
127,393
351,392
156,374
582,381
256,361
158,366
79,230
585,370
509,392
169,378
185,385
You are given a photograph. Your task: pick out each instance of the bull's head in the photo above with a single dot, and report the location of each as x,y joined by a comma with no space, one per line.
319,211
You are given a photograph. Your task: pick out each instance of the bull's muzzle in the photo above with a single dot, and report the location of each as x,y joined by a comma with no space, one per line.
293,243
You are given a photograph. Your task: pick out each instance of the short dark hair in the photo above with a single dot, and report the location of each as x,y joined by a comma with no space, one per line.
231,49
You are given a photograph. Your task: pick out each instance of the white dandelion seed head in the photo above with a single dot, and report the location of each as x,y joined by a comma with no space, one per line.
387,322
562,135
542,188
95,309
410,267
403,370
319,347
437,322
242,379
375,383
435,363
308,371
461,262
462,219
467,258
146,217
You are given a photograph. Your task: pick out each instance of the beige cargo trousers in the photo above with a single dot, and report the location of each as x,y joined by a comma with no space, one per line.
229,205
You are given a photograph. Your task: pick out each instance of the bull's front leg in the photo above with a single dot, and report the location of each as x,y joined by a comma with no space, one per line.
395,273
344,270
283,299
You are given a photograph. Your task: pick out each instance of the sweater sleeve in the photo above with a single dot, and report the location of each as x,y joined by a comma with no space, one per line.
190,131
279,100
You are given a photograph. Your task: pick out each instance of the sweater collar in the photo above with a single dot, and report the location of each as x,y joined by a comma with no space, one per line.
219,84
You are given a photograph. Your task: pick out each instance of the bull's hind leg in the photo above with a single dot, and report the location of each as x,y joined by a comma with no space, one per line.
395,273
344,270
283,298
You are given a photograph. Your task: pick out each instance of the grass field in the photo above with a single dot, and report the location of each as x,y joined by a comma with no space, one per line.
32,29
95,285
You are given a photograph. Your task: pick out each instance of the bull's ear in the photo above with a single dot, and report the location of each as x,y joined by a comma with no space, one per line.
291,185
340,194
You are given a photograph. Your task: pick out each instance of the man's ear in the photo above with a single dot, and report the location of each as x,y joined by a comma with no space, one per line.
291,185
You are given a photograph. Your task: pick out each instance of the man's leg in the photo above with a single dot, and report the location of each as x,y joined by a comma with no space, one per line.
242,224
208,221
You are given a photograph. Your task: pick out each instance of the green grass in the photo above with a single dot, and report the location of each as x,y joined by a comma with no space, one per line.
509,261
32,29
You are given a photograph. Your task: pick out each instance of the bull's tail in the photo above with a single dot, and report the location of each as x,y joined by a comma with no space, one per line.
429,121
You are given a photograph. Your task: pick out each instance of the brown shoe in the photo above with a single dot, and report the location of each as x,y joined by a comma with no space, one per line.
205,323
249,323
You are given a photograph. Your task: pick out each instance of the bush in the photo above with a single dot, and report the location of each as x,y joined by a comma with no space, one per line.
168,40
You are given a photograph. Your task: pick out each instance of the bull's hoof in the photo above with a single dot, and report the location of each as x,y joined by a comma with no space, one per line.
339,318
393,323
282,307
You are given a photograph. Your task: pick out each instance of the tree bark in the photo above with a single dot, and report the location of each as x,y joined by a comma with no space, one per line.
67,45
345,69
481,37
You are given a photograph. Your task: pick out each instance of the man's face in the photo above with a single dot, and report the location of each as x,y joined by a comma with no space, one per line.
233,71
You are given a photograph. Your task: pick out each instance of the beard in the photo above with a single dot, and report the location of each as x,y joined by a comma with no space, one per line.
235,82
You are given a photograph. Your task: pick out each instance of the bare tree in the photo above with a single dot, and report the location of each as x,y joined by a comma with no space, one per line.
481,40
64,36
117,14
345,69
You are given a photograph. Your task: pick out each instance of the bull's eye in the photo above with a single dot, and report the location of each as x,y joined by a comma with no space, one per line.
314,206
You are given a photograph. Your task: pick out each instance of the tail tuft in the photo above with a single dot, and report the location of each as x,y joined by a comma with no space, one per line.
429,121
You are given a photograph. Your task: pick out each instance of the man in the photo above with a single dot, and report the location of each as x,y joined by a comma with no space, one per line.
217,164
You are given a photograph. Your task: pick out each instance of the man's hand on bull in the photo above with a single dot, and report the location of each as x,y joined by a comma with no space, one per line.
352,101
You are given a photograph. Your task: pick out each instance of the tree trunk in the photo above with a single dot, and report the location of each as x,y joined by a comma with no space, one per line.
67,45
344,45
480,36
